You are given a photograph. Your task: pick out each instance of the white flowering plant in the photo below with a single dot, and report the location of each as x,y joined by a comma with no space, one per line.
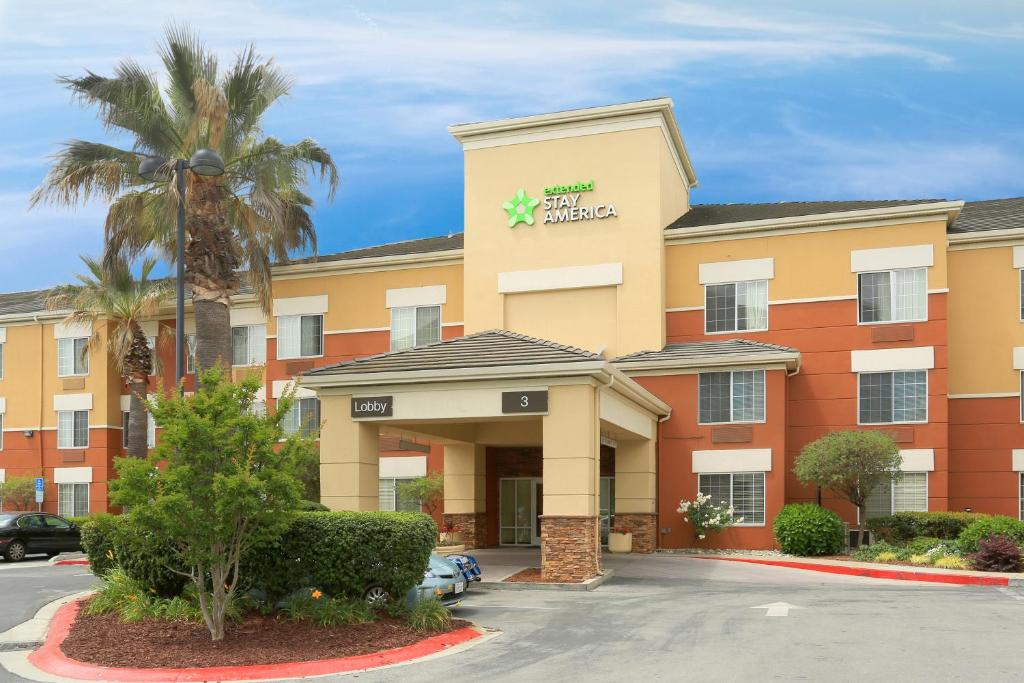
706,515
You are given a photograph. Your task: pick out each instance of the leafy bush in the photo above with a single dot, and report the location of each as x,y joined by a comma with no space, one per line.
808,529
887,557
117,591
430,615
905,526
311,506
343,553
920,559
923,544
951,562
113,541
997,554
990,526
868,553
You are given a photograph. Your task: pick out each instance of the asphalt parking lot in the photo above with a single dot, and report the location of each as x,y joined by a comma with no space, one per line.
671,618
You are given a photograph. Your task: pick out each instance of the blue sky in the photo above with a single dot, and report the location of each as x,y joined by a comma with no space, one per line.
777,100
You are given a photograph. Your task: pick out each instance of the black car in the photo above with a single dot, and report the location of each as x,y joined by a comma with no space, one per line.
36,533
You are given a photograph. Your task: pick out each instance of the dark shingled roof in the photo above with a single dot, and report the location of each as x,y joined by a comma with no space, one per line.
479,350
993,214
426,245
700,215
713,351
16,303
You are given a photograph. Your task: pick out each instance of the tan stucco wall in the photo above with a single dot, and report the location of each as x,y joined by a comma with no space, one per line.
625,167
465,480
984,295
357,300
571,452
586,316
807,265
636,481
349,457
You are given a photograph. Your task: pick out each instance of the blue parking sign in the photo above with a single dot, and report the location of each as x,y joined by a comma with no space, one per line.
39,483
39,490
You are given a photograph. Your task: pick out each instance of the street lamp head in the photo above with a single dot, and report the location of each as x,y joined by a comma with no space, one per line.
206,162
154,169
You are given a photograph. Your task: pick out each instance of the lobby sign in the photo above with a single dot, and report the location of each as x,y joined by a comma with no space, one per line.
562,204
524,401
373,406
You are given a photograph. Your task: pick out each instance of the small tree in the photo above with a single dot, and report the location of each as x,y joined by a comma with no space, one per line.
18,493
218,482
428,490
853,464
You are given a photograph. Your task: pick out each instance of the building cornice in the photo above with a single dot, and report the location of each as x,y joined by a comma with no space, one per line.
984,239
842,220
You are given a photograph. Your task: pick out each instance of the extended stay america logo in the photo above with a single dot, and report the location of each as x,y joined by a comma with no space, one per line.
562,204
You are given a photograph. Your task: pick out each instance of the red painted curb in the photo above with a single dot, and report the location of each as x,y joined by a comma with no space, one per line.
65,562
50,659
874,573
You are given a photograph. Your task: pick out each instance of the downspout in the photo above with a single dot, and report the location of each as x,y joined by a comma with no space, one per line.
39,422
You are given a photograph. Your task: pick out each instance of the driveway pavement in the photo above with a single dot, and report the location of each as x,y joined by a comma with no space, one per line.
669,618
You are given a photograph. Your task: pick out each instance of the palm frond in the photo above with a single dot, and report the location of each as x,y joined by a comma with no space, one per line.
84,170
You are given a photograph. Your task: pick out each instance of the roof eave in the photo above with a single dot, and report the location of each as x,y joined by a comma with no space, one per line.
790,359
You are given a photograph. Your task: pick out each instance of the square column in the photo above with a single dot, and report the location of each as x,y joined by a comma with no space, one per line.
349,458
636,487
465,491
570,537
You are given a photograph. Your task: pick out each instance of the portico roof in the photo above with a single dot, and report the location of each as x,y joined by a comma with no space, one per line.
490,355
727,352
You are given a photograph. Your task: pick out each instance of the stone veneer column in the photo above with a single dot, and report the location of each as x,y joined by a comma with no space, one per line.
349,457
465,492
570,542
636,485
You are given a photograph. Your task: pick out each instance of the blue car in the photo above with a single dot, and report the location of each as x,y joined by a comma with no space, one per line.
442,580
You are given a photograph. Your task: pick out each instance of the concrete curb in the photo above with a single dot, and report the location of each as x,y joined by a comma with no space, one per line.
587,585
34,629
876,573
55,665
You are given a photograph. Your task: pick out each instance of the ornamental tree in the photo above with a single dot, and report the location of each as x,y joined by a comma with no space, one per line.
18,493
852,464
219,481
429,491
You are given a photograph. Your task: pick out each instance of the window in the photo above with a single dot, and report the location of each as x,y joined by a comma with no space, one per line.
249,345
415,326
190,354
299,336
258,408
1021,303
744,491
72,357
909,494
1,360
1021,488
72,500
391,498
1022,396
731,396
736,306
891,397
73,429
1,431
893,295
151,343
304,415
150,429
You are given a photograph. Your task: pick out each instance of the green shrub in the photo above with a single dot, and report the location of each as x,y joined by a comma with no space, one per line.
920,559
951,562
990,526
925,545
117,591
343,553
430,615
311,506
98,543
808,529
312,605
113,541
886,557
905,526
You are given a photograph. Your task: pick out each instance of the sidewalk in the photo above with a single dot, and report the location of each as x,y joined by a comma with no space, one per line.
878,570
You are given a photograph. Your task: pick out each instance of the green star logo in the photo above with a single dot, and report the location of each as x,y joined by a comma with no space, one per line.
520,208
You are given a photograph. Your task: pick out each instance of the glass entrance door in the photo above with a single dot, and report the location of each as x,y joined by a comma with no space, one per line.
607,507
519,500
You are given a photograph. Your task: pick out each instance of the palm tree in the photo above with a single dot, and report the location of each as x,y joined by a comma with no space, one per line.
254,214
110,292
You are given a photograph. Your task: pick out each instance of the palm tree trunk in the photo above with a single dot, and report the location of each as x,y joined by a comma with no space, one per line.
211,265
138,420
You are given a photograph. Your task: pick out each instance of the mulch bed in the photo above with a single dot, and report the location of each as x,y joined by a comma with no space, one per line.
255,639
531,575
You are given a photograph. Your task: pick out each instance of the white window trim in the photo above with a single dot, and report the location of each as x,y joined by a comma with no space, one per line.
927,396
901,321
904,359
764,401
1020,497
88,362
430,295
767,308
728,460
728,272
732,495
892,258
300,316
1020,292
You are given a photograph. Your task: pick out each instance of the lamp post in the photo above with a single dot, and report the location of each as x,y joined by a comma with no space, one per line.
204,162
